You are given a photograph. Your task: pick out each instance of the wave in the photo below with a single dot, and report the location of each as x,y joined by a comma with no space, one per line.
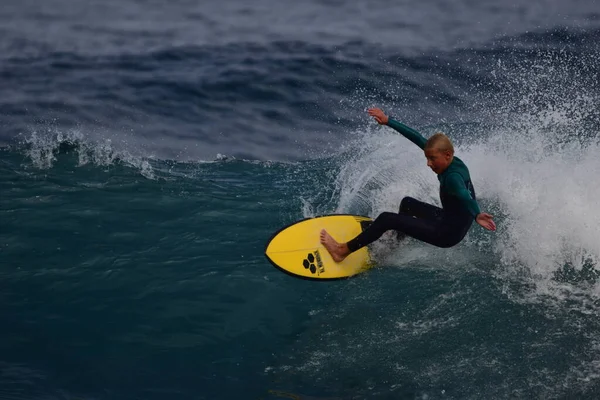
277,100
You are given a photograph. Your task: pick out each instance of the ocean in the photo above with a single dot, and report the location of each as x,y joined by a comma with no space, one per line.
149,150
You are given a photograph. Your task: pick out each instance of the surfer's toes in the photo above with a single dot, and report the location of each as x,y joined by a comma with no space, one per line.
322,236
333,247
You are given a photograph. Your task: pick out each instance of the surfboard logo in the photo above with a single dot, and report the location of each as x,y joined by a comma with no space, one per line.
314,263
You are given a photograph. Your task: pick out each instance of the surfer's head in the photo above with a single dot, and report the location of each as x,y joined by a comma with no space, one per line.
439,152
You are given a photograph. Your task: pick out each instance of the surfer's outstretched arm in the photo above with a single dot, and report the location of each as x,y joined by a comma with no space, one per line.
407,132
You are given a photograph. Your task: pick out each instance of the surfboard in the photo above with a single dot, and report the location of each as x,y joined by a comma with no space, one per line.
296,249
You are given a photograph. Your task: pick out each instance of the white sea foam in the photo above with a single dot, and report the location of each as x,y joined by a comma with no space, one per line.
535,170
44,146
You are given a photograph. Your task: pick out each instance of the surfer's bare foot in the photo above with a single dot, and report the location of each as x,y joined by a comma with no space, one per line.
338,251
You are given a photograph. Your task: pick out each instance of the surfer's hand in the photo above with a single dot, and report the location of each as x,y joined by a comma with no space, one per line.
379,116
486,221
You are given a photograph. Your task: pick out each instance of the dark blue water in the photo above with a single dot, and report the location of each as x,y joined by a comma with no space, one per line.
148,150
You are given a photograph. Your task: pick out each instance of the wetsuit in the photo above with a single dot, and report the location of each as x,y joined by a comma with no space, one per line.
442,227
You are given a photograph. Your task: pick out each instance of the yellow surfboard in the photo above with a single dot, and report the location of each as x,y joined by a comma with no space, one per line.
296,249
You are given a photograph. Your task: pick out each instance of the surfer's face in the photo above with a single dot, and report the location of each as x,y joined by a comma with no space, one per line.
438,160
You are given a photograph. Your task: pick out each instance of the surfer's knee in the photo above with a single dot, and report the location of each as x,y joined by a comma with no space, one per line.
406,202
386,215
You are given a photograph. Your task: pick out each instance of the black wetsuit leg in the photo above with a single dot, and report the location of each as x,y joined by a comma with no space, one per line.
418,209
428,225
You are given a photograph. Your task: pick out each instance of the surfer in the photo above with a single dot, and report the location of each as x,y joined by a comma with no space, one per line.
441,227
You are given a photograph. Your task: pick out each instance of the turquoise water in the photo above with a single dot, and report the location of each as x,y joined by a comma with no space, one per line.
116,285
111,274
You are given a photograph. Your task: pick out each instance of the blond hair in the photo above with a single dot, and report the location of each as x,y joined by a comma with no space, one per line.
440,142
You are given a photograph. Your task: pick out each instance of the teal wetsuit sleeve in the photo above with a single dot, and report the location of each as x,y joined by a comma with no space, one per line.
408,133
456,186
